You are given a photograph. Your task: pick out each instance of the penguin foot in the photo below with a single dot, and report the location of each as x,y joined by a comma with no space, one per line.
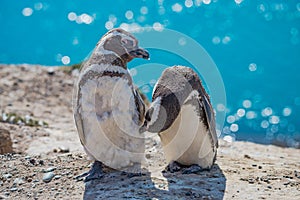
193,169
173,167
94,173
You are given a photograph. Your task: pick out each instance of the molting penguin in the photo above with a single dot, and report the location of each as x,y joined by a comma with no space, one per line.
108,109
182,115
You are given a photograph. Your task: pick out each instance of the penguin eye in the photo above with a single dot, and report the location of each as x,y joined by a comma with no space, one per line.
128,42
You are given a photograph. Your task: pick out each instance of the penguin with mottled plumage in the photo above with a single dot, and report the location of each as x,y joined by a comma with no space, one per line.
108,109
183,117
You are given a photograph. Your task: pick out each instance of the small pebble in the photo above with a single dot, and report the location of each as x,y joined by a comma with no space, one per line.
57,177
48,177
32,161
41,162
64,150
2,196
171,181
148,156
7,176
13,189
188,193
19,181
247,156
50,71
27,157
61,150
50,169
251,181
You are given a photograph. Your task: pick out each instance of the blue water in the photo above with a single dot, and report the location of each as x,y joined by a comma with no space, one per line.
255,44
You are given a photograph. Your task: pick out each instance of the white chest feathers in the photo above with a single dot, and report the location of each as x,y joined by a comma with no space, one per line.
107,110
187,140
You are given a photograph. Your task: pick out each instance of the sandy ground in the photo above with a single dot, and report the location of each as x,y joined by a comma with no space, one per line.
48,159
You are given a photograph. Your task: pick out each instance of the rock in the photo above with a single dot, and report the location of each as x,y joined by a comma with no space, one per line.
27,157
57,177
64,149
48,177
148,156
19,181
13,189
61,150
32,161
2,197
7,176
50,169
5,141
51,71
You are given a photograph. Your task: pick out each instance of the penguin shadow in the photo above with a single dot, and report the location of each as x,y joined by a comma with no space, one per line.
120,185
206,184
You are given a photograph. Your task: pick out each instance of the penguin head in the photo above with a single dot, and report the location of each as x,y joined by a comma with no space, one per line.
122,43
169,94
161,114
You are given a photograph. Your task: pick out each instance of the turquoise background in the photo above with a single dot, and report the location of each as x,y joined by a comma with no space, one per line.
255,45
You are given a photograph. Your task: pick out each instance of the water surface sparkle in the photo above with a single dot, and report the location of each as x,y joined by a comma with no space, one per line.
255,44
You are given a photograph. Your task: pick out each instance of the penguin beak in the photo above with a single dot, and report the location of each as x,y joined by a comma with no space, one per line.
139,53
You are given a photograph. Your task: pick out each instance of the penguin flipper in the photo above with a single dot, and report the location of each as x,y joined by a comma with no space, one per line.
79,125
209,112
140,106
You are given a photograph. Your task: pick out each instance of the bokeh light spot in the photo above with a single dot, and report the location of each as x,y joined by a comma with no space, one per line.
27,12
65,60
286,111
234,127
144,10
72,16
129,14
158,26
182,41
177,7
274,119
230,119
247,103
109,25
241,112
267,112
252,67
251,115
188,3
216,40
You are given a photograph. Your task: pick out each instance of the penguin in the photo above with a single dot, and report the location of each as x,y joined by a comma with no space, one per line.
108,109
182,115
